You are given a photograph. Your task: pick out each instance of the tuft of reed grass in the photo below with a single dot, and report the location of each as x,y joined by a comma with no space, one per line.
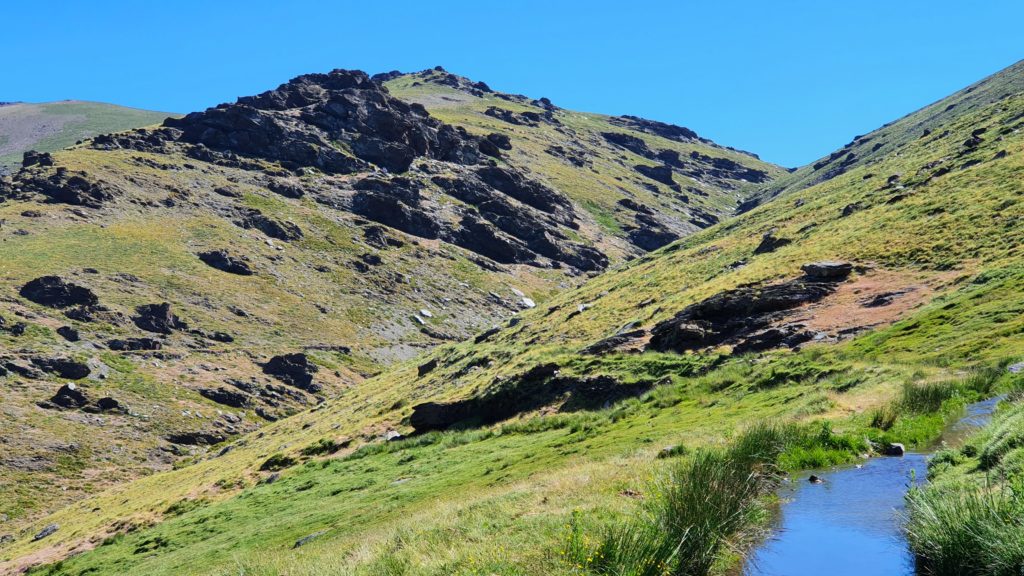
967,531
699,506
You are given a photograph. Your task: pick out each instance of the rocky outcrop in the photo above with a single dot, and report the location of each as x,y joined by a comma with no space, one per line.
534,389
669,131
60,186
69,396
63,367
134,344
749,318
525,118
55,292
294,369
300,123
253,219
222,260
157,318
661,173
222,395
770,243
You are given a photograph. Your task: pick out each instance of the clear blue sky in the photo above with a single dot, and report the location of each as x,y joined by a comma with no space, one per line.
789,80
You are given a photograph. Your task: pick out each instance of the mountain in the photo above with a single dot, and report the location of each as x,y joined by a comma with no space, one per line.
51,126
827,307
172,287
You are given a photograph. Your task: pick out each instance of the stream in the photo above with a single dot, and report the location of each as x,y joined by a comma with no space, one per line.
850,524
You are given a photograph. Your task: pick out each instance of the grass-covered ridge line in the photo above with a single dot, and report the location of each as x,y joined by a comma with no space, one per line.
52,126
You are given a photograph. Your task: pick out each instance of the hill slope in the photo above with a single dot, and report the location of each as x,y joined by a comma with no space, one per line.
50,126
565,406
200,279
928,124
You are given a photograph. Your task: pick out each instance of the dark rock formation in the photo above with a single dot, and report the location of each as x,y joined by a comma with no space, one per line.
427,367
827,271
221,260
226,397
661,173
771,243
253,219
197,438
33,158
527,118
377,237
49,530
725,168
157,318
108,405
629,142
394,202
669,131
299,123
134,344
69,396
536,388
64,187
63,367
614,342
68,333
54,292
749,318
295,370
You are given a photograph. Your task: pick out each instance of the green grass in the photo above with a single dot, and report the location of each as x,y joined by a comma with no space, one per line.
968,520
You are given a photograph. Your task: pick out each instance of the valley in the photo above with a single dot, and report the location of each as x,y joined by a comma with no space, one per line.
405,324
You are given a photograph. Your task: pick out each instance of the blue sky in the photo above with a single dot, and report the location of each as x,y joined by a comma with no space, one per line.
788,80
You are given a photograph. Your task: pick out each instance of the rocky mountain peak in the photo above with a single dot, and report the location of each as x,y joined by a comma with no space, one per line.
340,122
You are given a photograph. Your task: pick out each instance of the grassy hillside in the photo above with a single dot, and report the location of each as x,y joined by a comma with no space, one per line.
308,259
926,321
928,124
51,126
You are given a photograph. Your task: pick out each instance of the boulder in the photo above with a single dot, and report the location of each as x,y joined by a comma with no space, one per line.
134,344
661,173
427,367
294,369
157,318
225,262
55,292
770,243
197,438
226,397
827,271
895,449
68,333
63,367
69,396
33,158
49,530
108,404
253,219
